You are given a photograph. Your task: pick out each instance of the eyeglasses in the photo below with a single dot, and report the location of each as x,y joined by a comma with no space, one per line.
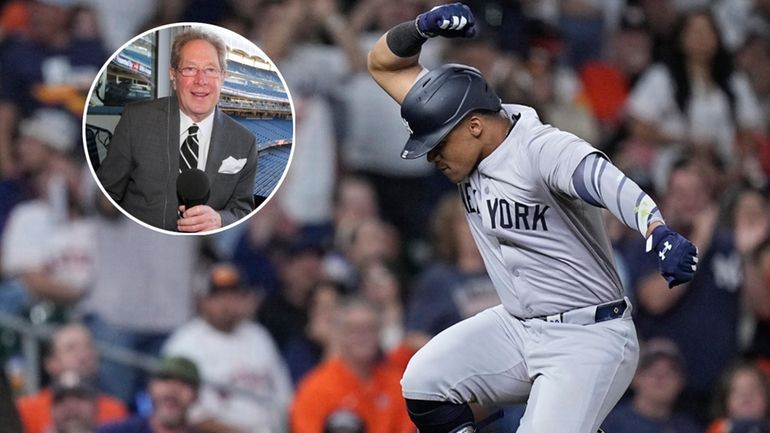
191,71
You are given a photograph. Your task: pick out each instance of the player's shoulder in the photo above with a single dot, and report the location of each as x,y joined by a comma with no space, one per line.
524,110
527,120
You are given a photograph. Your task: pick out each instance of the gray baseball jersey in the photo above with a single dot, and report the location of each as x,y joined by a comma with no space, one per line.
545,249
547,253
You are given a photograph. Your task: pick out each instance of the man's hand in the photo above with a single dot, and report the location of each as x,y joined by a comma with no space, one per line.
198,219
677,257
453,20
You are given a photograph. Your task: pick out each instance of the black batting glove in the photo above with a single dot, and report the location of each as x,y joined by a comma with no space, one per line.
454,20
677,257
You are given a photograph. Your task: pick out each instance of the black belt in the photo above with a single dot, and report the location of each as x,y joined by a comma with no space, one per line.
589,315
610,311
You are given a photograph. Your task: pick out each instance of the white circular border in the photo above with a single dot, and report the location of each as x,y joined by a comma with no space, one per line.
215,29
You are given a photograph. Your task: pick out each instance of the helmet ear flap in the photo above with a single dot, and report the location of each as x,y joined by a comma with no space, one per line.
439,101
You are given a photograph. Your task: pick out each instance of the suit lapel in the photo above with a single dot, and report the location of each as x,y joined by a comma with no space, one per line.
217,145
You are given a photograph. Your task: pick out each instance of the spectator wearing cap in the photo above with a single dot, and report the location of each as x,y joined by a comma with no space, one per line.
247,387
173,389
47,244
71,354
74,405
656,387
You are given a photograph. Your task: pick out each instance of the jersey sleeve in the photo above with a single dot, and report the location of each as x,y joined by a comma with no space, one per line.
598,182
556,155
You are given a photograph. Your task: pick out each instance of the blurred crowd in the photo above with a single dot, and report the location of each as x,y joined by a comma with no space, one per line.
302,319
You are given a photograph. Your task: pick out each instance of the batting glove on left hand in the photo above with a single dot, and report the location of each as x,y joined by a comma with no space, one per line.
677,257
453,20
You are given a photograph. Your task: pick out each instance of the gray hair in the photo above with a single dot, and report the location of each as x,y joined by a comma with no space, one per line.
198,35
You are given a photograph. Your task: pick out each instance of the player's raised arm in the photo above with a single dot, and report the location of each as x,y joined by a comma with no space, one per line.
393,61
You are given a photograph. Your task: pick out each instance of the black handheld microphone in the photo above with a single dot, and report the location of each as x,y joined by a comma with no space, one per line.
192,188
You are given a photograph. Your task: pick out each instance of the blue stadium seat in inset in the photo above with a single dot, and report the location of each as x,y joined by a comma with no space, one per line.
271,164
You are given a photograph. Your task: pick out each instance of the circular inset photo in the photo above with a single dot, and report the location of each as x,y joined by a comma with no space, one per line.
189,128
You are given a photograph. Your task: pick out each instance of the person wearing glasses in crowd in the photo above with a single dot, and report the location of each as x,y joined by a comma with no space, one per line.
158,140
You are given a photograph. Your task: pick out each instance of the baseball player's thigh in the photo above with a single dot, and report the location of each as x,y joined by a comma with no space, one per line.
582,371
479,359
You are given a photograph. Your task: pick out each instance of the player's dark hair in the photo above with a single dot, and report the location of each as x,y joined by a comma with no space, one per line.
721,67
486,113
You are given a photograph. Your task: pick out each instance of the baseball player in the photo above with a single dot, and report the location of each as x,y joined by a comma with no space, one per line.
563,339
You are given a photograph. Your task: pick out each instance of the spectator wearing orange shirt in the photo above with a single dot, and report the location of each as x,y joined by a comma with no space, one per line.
354,380
71,350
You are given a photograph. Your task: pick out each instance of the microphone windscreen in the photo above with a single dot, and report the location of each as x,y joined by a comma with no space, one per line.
192,188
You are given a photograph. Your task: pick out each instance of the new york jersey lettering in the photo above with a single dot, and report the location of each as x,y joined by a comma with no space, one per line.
517,215
466,194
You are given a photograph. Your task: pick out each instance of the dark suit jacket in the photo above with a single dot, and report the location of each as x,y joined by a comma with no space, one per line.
142,164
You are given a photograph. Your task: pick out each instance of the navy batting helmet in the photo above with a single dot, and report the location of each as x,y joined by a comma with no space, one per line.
438,101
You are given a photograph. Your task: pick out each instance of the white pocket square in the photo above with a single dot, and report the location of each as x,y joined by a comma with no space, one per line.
231,165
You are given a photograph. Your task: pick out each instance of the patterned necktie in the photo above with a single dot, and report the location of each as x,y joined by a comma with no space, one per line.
188,154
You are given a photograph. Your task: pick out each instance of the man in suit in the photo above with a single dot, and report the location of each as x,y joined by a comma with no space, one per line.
156,140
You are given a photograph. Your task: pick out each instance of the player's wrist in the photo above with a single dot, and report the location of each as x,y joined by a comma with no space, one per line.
653,225
655,234
421,24
405,39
